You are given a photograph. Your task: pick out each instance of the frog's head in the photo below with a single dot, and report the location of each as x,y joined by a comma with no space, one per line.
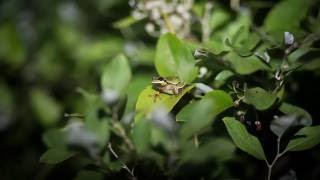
159,81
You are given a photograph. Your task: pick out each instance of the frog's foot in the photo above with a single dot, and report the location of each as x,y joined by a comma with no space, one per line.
155,96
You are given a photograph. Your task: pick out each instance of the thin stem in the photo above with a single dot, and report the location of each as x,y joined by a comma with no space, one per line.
168,23
124,166
278,155
196,140
205,22
120,130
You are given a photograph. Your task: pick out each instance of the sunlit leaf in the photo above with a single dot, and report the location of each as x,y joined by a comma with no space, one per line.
150,99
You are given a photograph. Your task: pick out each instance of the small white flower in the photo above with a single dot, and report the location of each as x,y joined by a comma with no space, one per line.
288,38
176,21
202,72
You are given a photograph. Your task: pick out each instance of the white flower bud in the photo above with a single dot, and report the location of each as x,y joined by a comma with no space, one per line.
288,38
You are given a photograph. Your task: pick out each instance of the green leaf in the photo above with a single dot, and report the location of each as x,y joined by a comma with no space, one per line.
54,156
199,115
141,136
54,138
100,128
138,83
45,107
218,18
243,139
224,75
88,174
147,101
116,75
173,58
305,138
284,15
218,149
245,65
290,109
259,98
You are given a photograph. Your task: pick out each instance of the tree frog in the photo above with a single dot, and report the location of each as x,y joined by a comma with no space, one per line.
163,85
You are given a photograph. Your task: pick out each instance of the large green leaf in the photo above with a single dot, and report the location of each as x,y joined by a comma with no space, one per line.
287,14
305,138
259,98
116,75
148,100
54,156
199,115
243,139
173,58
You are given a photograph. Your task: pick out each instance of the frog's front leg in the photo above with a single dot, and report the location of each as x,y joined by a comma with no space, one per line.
155,96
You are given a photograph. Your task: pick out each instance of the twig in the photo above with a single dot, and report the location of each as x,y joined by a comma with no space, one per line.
276,158
206,31
168,23
123,166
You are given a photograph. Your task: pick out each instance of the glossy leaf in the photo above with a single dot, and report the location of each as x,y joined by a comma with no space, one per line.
259,98
243,139
173,58
305,138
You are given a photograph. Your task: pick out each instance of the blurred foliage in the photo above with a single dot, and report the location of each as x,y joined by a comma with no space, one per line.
81,97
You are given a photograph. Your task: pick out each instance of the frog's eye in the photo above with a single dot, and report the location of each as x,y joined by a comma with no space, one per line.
160,78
